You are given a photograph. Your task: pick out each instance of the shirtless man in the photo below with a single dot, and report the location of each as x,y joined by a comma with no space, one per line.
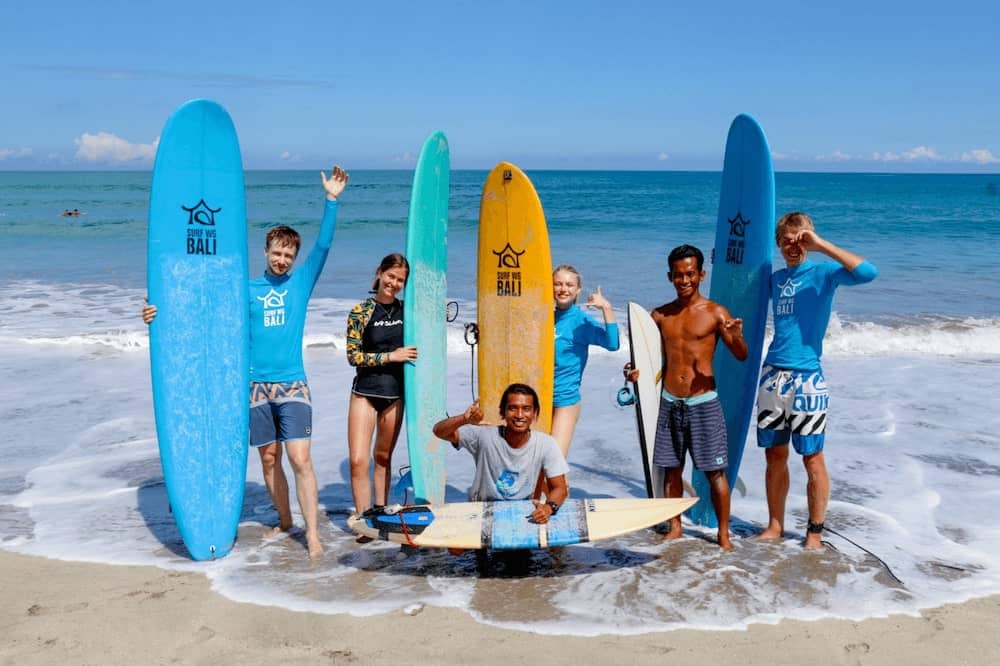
690,413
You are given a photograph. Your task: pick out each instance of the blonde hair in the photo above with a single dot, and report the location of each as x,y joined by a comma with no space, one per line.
569,269
794,220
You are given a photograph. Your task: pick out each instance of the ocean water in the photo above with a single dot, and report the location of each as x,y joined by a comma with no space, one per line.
913,361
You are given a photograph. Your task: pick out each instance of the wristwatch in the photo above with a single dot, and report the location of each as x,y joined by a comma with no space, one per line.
554,506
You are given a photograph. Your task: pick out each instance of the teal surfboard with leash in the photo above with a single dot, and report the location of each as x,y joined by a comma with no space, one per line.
741,271
424,319
199,341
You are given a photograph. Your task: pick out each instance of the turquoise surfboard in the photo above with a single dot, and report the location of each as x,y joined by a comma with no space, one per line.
741,270
424,318
199,341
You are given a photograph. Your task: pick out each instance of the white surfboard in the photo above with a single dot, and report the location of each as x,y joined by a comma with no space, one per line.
507,525
647,357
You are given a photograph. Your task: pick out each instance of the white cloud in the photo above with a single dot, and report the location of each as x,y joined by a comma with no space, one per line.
405,158
885,157
980,156
108,147
290,157
14,153
921,153
775,155
835,156
663,157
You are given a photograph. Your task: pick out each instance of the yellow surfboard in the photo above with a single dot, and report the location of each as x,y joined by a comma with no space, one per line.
516,327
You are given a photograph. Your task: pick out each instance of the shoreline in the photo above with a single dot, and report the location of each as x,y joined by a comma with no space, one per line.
84,613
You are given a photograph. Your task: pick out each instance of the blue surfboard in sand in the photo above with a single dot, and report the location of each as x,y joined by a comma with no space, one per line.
199,341
741,271
424,318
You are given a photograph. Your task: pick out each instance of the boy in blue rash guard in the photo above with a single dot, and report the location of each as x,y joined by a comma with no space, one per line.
792,398
280,403
575,332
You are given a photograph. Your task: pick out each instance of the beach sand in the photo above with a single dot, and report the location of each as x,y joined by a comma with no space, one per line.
68,612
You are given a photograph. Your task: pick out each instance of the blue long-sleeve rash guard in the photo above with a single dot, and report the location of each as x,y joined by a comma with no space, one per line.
575,332
278,311
801,301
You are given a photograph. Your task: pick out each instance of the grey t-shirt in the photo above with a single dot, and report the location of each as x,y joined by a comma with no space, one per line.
506,473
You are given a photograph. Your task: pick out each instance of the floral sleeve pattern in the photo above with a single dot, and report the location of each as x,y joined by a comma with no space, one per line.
356,321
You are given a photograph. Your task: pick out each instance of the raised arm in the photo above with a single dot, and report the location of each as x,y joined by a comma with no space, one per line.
447,429
813,242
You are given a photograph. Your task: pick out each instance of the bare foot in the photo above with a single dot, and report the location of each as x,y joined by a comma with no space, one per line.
276,530
813,541
315,547
770,534
675,532
724,542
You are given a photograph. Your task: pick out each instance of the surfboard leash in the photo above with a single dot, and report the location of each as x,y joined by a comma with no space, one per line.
857,545
472,339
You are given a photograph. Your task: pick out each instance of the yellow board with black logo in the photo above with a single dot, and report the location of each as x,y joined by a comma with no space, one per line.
515,319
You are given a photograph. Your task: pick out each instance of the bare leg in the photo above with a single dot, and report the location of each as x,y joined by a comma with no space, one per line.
673,486
564,421
817,494
563,426
720,500
360,426
277,486
306,489
389,423
776,482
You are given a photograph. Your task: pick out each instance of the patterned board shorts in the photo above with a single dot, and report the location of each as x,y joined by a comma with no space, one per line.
696,425
279,412
792,406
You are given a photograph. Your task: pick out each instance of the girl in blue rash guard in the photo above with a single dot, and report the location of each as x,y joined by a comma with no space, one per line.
575,332
375,348
280,402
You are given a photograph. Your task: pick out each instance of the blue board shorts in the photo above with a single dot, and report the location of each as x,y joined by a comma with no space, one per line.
792,406
279,412
694,424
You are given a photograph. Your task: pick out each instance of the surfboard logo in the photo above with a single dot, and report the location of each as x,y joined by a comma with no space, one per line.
201,241
508,271
736,246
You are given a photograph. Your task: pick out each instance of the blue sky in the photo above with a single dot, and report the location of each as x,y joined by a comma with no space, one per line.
843,86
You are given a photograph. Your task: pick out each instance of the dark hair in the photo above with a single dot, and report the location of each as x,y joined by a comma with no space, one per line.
683,252
522,389
285,236
394,260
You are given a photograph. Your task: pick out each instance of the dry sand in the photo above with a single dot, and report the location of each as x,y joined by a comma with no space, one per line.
55,612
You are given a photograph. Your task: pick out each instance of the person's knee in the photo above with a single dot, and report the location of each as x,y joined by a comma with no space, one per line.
777,455
270,457
383,458
301,460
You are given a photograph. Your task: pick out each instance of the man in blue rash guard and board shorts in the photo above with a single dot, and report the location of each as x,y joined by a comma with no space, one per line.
280,401
792,398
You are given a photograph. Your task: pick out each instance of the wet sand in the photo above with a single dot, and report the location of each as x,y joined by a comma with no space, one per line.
68,612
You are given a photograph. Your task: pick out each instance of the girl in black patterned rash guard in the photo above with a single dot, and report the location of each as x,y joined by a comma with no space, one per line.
375,348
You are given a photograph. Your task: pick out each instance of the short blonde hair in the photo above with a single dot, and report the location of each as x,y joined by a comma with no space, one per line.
794,220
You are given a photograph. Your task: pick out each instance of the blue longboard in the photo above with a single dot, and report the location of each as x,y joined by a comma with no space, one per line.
741,271
424,318
199,341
